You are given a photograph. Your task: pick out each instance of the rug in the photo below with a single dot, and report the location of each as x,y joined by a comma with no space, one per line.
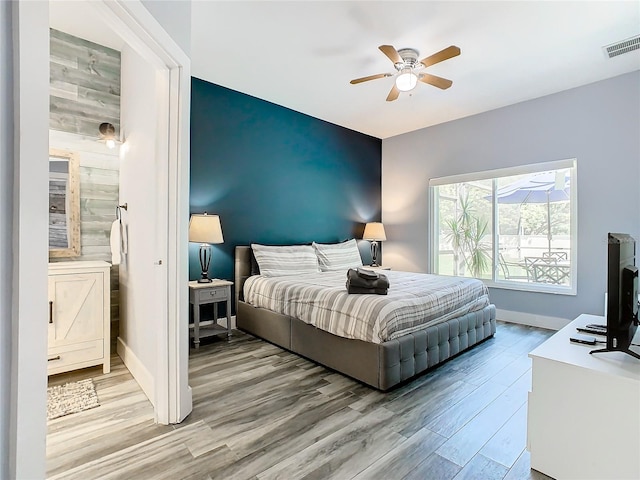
70,398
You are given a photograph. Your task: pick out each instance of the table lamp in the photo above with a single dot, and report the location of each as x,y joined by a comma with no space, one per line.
205,230
374,231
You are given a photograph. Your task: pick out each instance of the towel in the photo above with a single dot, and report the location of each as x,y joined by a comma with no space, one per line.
367,291
364,278
365,281
124,238
115,241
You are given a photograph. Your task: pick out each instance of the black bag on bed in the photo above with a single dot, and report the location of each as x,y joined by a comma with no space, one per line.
363,281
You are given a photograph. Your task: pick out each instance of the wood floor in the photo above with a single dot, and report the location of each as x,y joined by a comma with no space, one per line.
262,413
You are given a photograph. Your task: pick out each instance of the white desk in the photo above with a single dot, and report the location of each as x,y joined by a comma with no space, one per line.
584,410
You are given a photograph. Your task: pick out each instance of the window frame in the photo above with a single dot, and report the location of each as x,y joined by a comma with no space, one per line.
494,175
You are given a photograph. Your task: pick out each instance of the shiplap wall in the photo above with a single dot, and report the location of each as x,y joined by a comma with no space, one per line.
84,92
85,85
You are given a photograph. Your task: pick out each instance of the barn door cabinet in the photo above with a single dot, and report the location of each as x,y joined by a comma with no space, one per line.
79,316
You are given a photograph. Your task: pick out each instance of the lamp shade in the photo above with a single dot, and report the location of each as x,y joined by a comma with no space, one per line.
374,231
205,228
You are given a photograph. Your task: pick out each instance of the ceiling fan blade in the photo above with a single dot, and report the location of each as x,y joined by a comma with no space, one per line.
392,53
441,56
370,77
393,94
439,82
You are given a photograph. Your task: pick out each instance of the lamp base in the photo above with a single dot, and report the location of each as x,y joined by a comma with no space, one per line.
205,260
374,253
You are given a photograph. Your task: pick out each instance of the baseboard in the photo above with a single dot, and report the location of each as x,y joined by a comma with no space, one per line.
187,404
137,369
533,320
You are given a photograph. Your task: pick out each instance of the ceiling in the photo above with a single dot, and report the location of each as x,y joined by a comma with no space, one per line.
302,54
83,20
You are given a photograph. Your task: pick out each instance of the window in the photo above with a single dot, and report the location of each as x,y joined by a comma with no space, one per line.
513,228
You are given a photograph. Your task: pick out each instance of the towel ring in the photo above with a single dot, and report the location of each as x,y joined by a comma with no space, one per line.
119,211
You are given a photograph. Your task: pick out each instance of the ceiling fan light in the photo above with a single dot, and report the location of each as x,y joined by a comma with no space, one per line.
406,81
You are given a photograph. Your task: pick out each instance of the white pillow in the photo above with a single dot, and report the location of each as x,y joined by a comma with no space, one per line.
338,256
277,261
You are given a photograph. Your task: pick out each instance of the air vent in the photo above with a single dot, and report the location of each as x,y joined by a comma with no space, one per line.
621,47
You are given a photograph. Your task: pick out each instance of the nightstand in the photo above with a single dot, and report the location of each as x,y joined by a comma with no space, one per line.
203,294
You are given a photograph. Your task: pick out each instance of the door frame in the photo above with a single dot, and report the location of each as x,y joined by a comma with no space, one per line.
30,24
133,22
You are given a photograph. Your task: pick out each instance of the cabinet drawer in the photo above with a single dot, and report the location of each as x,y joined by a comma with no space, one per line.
61,358
213,295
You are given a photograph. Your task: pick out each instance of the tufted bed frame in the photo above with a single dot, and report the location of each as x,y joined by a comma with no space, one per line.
382,365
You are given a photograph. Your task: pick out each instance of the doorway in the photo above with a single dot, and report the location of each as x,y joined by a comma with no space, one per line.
169,358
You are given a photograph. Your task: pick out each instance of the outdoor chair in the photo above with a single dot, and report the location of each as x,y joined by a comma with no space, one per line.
508,275
548,270
561,256
531,262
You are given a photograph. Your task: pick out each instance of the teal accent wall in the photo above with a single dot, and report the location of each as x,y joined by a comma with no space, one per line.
276,176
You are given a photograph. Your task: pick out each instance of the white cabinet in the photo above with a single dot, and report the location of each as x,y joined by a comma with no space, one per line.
584,410
79,316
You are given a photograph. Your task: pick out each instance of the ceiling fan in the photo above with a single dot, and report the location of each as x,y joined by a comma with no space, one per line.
407,68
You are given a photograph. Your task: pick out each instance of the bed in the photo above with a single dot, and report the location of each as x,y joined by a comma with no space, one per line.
386,358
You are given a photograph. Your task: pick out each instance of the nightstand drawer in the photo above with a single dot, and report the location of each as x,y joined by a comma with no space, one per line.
213,295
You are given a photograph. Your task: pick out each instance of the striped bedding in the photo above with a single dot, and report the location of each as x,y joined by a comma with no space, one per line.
415,301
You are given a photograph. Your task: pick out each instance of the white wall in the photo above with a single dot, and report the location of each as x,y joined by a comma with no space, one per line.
139,321
29,240
6,199
175,18
598,124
